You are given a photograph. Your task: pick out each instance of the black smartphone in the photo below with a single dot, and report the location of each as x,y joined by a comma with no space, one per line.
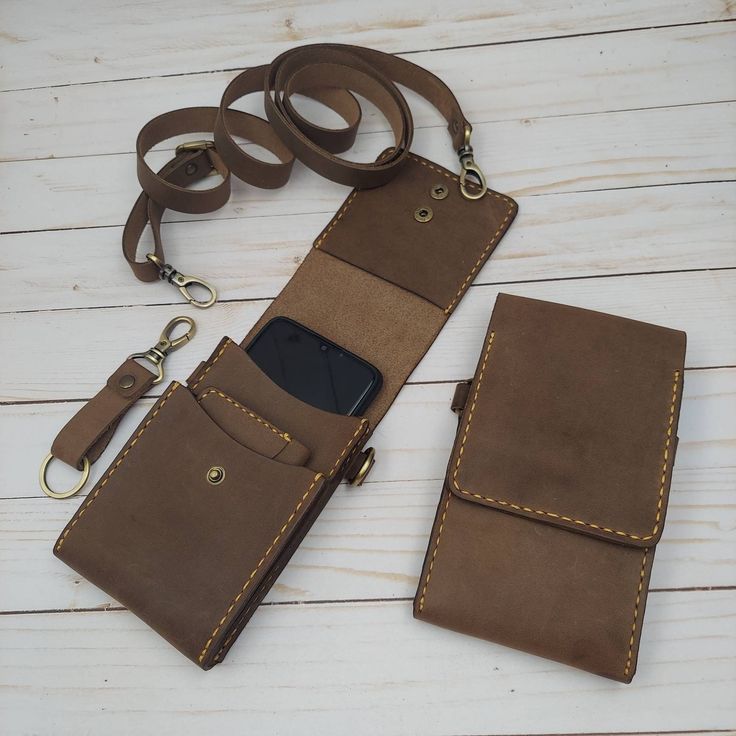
313,368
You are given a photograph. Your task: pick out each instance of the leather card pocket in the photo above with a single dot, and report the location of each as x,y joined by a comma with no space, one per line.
251,430
326,437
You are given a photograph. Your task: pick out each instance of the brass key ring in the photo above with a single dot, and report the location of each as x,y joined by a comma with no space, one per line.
62,494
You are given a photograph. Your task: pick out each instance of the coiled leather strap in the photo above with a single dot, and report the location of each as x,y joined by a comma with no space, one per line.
287,134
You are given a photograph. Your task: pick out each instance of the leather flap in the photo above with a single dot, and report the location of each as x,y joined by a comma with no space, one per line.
572,420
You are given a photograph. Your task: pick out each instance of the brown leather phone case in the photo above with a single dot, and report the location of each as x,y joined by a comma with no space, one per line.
556,490
199,513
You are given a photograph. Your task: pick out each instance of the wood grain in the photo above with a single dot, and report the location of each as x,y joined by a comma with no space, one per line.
599,151
627,70
91,343
111,40
613,123
312,669
653,229
370,542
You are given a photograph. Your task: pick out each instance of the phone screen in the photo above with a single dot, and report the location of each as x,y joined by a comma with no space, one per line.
313,369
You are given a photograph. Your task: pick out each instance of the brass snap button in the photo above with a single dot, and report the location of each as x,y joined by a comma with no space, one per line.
423,214
439,191
215,475
126,381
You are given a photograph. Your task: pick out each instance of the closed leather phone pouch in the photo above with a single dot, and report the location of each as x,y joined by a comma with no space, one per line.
556,490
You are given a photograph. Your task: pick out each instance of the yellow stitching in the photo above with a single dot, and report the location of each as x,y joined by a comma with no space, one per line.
242,617
226,344
258,566
337,218
494,239
636,612
670,422
479,262
284,435
345,449
668,439
434,554
94,495
276,539
245,613
496,236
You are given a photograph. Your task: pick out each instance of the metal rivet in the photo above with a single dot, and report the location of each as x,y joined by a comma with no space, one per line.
126,381
439,191
423,214
215,475
190,169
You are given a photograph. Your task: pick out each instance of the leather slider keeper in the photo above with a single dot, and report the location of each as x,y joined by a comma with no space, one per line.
460,397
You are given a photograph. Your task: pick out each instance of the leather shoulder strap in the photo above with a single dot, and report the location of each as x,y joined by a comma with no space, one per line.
288,135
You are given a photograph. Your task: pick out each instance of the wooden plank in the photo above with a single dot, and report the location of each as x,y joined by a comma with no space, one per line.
365,667
370,542
366,545
583,234
114,42
413,441
647,68
88,343
531,156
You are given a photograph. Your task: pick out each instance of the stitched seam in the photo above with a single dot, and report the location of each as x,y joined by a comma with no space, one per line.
110,472
496,236
337,218
239,628
636,612
258,566
493,241
226,344
551,514
434,554
284,435
273,544
345,449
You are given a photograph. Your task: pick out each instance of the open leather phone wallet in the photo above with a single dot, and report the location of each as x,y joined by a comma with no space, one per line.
557,488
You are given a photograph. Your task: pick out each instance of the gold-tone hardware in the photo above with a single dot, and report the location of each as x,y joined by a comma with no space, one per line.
469,167
194,146
215,475
126,381
360,476
423,214
62,494
168,273
165,345
439,191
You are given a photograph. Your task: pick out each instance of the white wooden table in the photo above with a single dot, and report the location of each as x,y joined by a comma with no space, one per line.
611,122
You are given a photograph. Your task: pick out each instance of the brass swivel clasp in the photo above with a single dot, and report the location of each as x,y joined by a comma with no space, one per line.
469,167
168,273
166,344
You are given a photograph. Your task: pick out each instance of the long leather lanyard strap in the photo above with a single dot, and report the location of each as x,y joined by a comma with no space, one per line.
289,136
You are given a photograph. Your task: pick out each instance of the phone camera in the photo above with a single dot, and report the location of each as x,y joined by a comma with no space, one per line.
323,348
